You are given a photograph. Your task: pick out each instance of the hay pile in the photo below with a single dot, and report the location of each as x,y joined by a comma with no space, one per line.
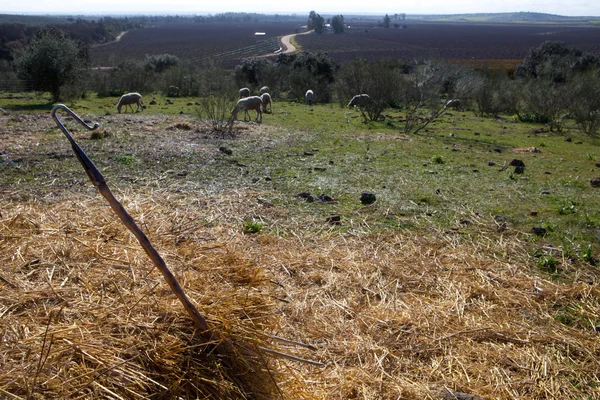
85,315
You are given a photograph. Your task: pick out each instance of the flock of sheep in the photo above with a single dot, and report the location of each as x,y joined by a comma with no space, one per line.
245,103
259,103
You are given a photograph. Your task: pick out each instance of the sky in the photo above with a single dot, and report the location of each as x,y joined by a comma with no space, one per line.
87,7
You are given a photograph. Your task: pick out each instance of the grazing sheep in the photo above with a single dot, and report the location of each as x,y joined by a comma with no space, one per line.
454,103
266,100
129,99
173,91
360,100
244,92
248,103
264,89
309,97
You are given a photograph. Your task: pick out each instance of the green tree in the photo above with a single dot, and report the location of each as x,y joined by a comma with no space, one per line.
494,92
379,79
305,71
351,80
555,61
315,22
51,61
584,104
253,72
545,98
386,21
382,85
160,62
337,23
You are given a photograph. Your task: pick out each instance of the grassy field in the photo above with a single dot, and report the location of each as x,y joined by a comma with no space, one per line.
464,276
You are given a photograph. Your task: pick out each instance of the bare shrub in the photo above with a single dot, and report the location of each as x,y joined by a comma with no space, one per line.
420,88
216,110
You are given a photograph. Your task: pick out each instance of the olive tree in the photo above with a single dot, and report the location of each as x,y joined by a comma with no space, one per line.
305,71
255,73
554,60
52,61
547,75
160,62
382,83
496,93
351,80
546,98
584,104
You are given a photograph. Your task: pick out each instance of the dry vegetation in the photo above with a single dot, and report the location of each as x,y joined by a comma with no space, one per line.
390,315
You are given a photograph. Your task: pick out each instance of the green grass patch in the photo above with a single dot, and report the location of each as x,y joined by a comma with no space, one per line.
452,176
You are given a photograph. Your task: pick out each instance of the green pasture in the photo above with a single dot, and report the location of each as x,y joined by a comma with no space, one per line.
449,177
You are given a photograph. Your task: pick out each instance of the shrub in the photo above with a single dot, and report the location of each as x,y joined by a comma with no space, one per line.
216,109
160,63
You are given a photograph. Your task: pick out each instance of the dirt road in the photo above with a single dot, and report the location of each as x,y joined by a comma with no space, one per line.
285,42
117,39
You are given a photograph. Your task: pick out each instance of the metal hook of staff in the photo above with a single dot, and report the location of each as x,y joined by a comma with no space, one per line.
91,170
98,181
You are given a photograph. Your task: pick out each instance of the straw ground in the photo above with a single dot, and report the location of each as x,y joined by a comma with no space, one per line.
417,310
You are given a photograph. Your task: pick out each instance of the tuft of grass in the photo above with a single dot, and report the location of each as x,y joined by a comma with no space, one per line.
438,159
97,135
566,206
588,255
548,264
126,160
251,226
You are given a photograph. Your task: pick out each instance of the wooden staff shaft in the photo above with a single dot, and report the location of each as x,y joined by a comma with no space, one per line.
99,181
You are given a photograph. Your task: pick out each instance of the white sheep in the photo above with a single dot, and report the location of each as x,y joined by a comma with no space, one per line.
173,91
454,103
266,101
244,92
246,104
309,97
129,99
264,89
360,100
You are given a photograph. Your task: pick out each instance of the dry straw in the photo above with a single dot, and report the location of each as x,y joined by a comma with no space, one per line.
85,315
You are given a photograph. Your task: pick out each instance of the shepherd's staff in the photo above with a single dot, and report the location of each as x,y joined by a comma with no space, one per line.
98,181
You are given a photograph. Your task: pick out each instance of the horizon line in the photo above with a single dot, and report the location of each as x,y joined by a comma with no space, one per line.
287,13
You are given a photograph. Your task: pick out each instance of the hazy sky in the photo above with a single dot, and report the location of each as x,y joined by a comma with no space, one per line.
561,7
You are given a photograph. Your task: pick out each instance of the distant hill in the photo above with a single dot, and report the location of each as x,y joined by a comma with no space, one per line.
513,17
